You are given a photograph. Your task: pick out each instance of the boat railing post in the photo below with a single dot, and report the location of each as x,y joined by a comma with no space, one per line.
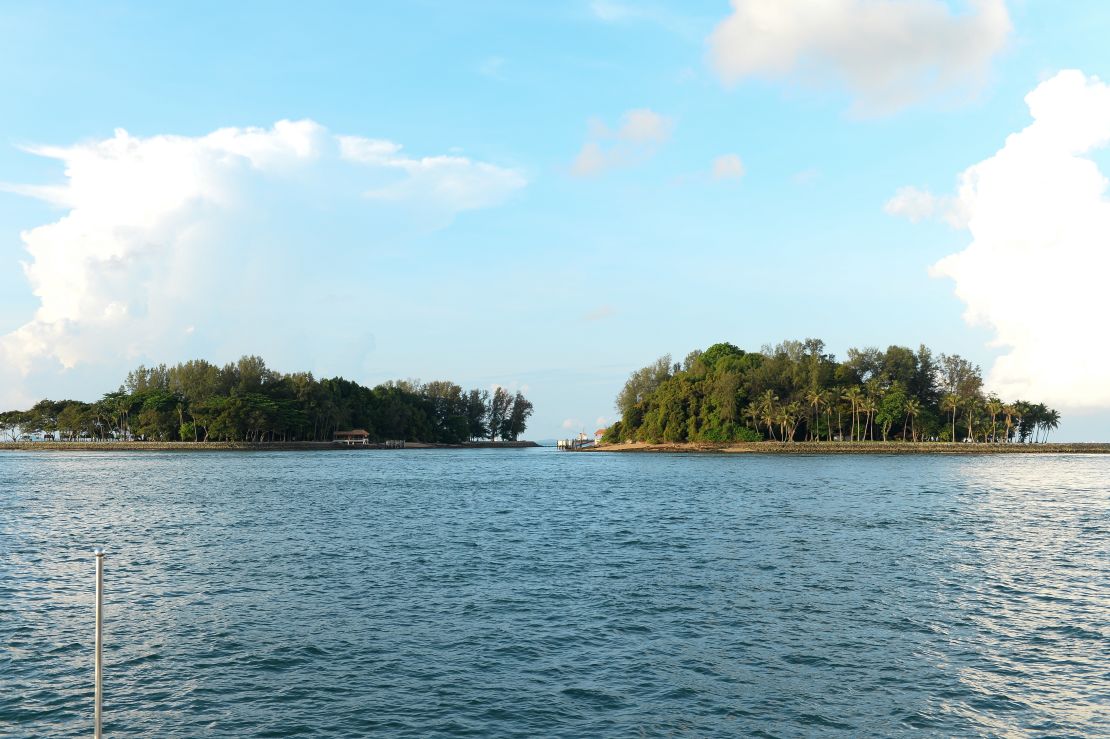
98,641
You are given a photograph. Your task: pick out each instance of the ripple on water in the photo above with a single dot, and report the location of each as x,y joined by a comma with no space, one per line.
526,593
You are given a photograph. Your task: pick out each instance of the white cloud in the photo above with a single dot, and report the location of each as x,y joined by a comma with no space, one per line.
640,134
728,167
602,422
918,205
572,424
682,24
1036,268
164,230
453,182
886,53
643,126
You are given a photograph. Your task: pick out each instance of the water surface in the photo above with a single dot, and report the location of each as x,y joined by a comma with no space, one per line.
531,593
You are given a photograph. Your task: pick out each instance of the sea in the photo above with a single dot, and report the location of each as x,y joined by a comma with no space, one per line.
534,593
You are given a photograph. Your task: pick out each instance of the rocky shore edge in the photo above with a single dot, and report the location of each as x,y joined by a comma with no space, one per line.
860,447
239,446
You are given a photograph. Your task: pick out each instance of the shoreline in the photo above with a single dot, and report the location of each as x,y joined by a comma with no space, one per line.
241,446
845,447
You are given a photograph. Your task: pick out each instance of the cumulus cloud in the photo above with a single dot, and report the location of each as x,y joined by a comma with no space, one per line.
919,205
728,167
453,182
571,423
885,53
163,236
1035,270
637,138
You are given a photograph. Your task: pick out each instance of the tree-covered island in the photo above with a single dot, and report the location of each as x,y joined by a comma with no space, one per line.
198,401
796,391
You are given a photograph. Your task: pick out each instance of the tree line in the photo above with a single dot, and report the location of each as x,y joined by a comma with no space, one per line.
246,401
796,391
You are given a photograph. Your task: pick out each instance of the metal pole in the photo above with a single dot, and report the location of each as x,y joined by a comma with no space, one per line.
98,674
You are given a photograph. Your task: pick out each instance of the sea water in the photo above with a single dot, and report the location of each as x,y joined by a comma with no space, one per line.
525,593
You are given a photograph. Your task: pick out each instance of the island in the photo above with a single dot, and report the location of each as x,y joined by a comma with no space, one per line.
245,404
795,396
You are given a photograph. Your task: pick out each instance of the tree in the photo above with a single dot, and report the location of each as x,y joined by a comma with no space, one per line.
498,411
792,416
994,407
642,383
869,407
768,408
972,407
854,395
717,352
753,412
477,401
1051,422
951,403
517,418
74,420
1010,412
814,398
890,409
913,410
11,424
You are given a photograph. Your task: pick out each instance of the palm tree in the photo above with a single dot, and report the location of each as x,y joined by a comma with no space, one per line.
853,395
913,408
972,406
793,412
870,406
837,396
994,407
1010,411
767,407
951,403
814,397
1019,416
1051,422
831,396
752,411
1040,415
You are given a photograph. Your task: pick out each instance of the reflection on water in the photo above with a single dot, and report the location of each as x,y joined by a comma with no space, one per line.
1044,599
528,593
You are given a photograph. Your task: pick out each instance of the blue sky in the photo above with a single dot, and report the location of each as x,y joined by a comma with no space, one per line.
527,194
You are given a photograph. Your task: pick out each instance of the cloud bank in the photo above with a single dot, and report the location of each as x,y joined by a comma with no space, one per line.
165,237
886,53
638,137
1036,268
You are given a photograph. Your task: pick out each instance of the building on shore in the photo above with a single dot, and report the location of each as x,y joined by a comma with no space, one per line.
352,437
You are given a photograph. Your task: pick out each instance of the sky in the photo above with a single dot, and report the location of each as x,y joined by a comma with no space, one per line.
548,196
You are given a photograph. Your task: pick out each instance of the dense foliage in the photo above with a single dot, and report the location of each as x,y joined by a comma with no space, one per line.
246,401
796,391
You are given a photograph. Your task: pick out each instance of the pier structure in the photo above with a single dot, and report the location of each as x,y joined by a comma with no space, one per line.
579,442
